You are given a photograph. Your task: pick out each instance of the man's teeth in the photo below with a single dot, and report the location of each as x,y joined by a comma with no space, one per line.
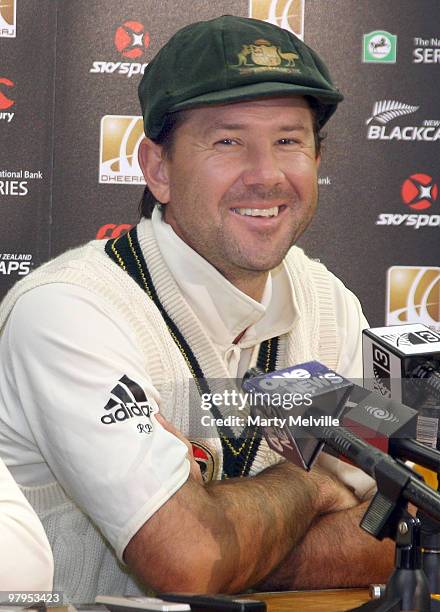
258,212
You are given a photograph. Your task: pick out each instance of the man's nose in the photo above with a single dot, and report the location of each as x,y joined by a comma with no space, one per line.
262,167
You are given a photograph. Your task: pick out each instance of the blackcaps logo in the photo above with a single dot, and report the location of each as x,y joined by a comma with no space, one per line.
387,110
131,39
419,191
5,101
127,401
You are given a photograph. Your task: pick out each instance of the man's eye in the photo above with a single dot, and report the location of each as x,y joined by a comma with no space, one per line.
288,141
226,141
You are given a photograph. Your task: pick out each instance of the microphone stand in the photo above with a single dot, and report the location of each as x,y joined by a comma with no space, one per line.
416,572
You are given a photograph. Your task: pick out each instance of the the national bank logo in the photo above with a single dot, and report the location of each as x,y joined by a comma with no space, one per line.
287,14
413,296
8,13
382,123
118,150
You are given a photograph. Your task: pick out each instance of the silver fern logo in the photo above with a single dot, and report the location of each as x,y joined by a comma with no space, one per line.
381,413
385,111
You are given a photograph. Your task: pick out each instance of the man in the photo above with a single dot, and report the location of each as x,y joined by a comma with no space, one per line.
26,561
98,341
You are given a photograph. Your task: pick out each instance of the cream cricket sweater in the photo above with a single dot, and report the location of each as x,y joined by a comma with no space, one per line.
85,564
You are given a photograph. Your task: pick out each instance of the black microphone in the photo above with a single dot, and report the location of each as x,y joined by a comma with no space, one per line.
403,362
389,426
302,436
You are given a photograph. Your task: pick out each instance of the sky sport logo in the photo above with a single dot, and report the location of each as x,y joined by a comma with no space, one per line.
413,296
8,13
118,151
131,40
288,14
379,47
418,192
387,111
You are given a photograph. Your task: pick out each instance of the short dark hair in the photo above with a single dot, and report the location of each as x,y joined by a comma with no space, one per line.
175,120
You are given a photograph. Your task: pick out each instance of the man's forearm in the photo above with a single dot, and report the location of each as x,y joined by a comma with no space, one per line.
228,535
268,515
335,552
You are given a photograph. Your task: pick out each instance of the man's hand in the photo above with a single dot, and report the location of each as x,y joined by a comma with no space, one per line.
335,552
333,495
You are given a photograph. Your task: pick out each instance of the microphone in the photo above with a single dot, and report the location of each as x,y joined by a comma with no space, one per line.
384,423
318,386
300,437
389,426
403,362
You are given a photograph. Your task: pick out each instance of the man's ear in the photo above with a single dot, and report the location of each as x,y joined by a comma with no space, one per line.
153,164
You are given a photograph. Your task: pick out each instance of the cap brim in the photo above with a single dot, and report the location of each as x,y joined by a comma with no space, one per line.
268,89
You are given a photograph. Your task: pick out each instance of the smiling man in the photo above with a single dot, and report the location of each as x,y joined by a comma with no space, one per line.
240,184
98,347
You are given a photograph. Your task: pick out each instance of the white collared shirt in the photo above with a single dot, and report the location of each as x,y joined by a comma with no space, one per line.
225,312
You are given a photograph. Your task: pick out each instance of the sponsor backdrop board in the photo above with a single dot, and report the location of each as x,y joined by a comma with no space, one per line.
75,130
26,135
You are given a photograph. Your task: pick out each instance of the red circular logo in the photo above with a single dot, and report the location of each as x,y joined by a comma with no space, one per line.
6,102
131,39
419,192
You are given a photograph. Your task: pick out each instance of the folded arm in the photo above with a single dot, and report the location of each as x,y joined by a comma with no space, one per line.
227,536
335,552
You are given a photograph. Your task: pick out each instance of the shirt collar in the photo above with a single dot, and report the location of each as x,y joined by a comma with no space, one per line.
223,310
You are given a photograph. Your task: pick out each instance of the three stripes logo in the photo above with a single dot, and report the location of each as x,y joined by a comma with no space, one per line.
8,11
127,401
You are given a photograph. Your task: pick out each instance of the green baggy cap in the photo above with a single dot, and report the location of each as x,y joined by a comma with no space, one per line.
230,59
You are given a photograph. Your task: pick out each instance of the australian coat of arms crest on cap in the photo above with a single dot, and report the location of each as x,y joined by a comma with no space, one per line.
263,55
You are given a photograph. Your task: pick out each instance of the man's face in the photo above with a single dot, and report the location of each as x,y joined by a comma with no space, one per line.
242,182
